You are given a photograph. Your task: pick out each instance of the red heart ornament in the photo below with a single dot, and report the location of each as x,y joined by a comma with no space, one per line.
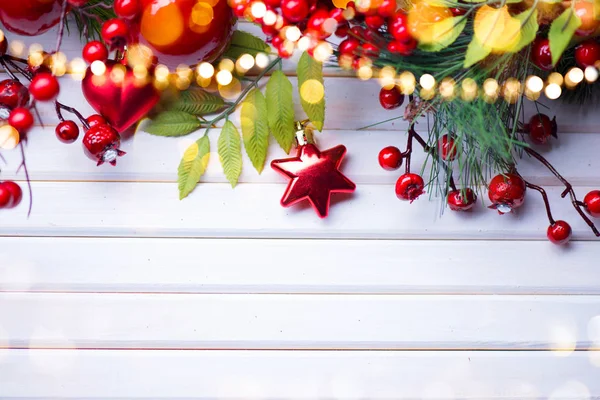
121,98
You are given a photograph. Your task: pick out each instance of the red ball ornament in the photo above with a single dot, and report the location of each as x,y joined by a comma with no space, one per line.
461,200
101,143
44,87
21,119
390,158
592,203
67,131
295,10
541,128
95,51
5,196
184,31
127,9
559,232
540,54
409,187
587,53
115,33
447,148
506,192
13,94
398,27
390,98
16,194
30,17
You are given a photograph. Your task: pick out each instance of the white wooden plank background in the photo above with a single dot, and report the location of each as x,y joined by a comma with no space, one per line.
114,289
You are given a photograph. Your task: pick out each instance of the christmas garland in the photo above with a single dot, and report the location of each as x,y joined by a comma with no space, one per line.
467,66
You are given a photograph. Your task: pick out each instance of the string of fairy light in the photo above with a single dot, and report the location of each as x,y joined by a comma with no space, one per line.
223,75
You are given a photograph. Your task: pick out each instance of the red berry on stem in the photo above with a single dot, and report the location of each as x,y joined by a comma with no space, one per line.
587,53
13,93
21,119
273,3
128,9
95,120
95,51
337,14
44,87
67,131
506,192
559,232
315,24
349,46
540,54
115,32
592,203
409,187
540,128
77,3
390,158
16,194
374,21
461,200
101,143
390,98
403,48
398,27
342,29
447,147
295,10
387,8
370,50
5,197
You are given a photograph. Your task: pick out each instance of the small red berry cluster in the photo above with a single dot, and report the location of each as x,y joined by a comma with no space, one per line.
587,54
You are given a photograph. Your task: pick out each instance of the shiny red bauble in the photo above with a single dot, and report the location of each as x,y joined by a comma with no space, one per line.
587,53
15,194
44,87
101,143
349,46
541,128
115,32
13,93
390,98
559,232
409,187
21,119
295,10
506,192
390,158
30,17
127,9
398,27
67,131
592,203
461,200
447,148
94,51
540,54
184,31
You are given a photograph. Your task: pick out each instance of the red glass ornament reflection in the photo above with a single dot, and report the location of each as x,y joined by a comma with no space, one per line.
30,17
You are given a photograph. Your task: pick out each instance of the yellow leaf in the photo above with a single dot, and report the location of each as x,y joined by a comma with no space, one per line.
430,24
489,25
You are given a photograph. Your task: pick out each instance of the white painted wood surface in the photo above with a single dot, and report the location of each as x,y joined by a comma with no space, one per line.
114,289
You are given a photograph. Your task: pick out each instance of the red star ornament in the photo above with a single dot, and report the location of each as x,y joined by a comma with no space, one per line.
314,175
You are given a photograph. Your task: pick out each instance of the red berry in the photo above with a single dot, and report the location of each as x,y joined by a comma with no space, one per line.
461,200
239,10
390,98
337,14
447,147
457,11
358,32
398,27
95,51
95,120
5,197
390,158
342,29
273,3
16,194
587,53
127,8
387,8
115,32
77,3
540,128
295,10
67,131
374,21
13,94
592,203
506,192
101,143
370,50
349,46
540,54
409,187
402,48
44,87
559,232
315,24
21,119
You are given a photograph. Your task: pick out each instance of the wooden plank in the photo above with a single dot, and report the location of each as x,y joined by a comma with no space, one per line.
296,375
299,321
296,266
253,210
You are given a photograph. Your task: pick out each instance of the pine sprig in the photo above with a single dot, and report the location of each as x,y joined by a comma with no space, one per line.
89,18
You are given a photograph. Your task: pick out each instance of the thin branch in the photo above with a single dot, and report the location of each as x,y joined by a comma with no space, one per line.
61,25
24,165
544,197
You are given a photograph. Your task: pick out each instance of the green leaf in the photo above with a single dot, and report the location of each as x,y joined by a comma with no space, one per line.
561,31
172,123
198,102
230,152
311,89
280,107
192,166
255,128
529,28
476,52
450,29
245,43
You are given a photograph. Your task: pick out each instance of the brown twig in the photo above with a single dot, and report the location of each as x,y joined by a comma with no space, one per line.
61,25
58,106
24,165
544,197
